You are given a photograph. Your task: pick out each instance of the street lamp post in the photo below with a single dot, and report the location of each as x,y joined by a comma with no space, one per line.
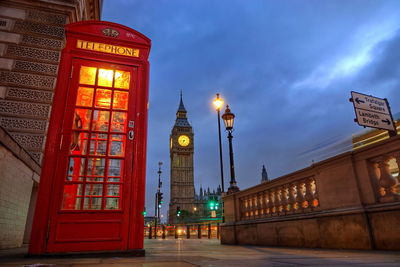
218,102
155,216
159,189
228,118
158,200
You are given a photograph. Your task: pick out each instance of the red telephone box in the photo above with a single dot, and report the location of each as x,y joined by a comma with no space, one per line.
91,193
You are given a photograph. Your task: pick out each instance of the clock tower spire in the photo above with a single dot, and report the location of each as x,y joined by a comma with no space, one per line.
181,157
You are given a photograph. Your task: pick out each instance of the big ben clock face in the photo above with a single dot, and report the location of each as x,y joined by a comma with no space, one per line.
183,140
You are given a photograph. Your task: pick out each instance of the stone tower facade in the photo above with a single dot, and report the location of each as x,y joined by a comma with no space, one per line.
264,175
181,157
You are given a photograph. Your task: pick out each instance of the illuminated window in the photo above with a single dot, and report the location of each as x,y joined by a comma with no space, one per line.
105,77
122,79
85,97
103,98
120,100
87,75
118,122
81,119
100,120
93,180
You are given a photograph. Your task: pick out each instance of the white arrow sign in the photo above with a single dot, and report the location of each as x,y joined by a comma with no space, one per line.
374,119
370,103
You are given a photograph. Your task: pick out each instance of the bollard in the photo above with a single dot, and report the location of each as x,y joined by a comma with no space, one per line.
188,231
150,232
218,233
209,231
163,231
176,232
198,231
155,230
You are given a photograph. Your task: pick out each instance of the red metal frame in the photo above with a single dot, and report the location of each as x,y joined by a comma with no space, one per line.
48,214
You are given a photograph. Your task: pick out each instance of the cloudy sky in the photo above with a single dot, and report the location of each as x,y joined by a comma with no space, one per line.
285,67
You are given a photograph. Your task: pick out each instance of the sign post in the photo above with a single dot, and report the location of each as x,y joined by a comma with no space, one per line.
373,112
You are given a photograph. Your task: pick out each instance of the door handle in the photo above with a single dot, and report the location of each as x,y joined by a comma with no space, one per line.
131,134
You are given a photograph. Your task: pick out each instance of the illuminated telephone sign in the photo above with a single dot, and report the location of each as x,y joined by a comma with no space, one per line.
91,192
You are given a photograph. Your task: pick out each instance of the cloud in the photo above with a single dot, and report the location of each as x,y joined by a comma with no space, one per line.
285,67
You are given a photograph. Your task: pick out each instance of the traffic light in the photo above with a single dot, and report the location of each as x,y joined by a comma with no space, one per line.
160,198
144,212
213,204
178,211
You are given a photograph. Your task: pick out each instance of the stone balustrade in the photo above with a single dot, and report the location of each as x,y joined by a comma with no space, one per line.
351,200
387,187
296,197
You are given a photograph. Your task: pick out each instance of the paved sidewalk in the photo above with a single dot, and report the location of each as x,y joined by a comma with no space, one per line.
204,252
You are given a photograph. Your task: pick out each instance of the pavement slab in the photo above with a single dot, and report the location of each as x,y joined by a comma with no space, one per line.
210,253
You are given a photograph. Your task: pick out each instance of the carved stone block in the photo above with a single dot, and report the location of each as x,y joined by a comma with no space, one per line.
6,63
22,109
42,42
31,142
19,124
45,17
6,24
12,12
2,49
32,53
24,79
36,67
3,91
29,95
37,156
10,37
39,28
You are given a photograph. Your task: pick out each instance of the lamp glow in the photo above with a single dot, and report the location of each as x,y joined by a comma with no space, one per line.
218,102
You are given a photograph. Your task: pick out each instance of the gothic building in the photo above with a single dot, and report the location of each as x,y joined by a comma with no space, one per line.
208,204
264,175
192,206
181,157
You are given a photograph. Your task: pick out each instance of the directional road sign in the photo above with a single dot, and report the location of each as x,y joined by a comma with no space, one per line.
372,111
370,103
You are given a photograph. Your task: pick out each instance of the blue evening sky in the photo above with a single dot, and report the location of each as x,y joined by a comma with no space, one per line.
286,68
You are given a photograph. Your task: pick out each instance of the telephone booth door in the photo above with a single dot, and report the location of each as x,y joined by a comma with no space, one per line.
95,162
91,191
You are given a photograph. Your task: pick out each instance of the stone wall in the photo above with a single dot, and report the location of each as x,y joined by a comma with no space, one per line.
350,201
31,40
18,173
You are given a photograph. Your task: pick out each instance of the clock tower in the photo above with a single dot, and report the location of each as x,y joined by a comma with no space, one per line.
181,157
